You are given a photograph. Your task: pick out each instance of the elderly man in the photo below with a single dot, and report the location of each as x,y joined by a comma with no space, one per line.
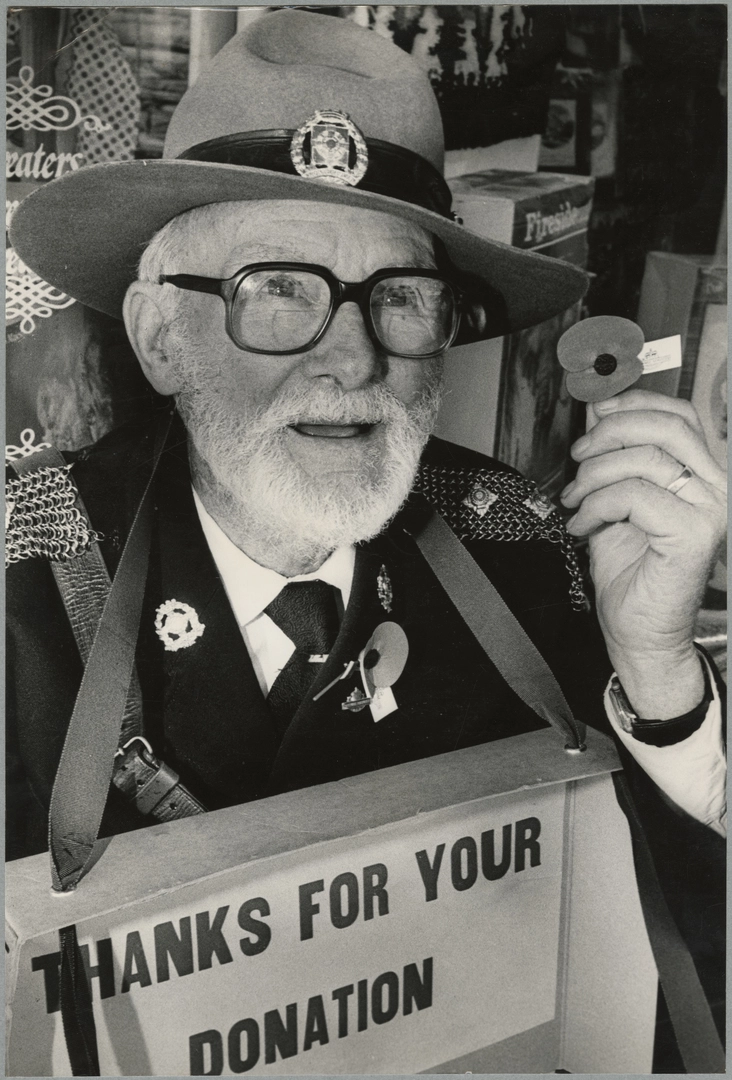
300,282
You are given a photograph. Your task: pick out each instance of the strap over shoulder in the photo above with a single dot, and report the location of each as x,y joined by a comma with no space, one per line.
48,519
497,630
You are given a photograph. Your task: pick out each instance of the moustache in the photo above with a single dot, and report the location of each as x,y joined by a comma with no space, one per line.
365,406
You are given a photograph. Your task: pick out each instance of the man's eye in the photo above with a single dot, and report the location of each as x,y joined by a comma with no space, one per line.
284,286
400,296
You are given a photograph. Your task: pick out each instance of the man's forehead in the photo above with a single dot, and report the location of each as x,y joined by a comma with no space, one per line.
303,231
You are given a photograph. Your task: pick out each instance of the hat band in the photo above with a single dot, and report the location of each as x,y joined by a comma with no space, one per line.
392,170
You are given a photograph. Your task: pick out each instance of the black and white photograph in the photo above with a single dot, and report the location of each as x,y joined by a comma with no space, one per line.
365,528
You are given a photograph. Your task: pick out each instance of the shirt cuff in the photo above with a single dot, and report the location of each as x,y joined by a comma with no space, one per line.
693,772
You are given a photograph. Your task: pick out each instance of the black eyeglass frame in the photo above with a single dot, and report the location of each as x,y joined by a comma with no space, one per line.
340,293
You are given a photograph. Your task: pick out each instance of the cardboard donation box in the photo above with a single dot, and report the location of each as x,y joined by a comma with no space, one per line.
506,397
475,912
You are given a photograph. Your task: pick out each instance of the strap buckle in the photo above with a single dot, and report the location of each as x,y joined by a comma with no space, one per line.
136,738
151,785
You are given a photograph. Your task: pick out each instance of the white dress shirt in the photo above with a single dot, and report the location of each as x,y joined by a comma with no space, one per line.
251,588
692,772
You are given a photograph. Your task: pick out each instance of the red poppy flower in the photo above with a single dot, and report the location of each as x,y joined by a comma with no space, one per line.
601,357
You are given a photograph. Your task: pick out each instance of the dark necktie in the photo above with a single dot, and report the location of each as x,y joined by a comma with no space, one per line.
306,611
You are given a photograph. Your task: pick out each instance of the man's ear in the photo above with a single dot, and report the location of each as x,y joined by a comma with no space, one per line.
145,324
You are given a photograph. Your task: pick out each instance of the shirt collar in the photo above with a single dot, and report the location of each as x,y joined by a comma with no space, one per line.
251,587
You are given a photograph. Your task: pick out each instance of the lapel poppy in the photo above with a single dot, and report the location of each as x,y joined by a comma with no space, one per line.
600,356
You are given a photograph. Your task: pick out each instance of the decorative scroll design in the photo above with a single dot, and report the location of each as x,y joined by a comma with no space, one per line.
38,108
27,446
27,296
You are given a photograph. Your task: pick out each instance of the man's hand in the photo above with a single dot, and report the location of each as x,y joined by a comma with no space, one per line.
651,551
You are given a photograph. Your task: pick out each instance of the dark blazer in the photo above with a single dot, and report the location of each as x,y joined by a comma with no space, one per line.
204,712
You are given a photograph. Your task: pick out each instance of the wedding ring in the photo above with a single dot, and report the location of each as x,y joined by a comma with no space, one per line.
680,481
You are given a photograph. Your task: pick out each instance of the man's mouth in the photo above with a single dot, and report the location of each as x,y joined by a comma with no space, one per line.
333,431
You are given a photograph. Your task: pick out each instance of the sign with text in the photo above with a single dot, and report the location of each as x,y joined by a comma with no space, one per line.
395,948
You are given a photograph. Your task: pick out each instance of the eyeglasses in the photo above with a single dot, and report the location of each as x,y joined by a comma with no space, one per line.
284,308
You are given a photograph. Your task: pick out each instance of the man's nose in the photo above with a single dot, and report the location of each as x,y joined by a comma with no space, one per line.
346,353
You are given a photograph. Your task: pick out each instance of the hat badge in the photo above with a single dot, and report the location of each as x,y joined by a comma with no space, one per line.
329,147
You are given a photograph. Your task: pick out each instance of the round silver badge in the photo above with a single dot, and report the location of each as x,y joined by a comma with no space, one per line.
329,146
177,625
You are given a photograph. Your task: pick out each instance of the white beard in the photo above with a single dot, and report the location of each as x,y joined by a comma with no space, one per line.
257,477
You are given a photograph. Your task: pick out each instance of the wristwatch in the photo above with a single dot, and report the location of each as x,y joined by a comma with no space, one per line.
622,708
658,732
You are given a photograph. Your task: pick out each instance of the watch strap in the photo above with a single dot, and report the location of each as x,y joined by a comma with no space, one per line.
661,732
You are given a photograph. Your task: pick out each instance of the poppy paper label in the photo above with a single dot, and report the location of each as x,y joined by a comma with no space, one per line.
661,355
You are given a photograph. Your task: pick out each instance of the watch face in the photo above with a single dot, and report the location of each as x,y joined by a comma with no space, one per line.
621,706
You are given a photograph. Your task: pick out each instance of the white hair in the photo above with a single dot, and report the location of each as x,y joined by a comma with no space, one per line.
163,255
166,251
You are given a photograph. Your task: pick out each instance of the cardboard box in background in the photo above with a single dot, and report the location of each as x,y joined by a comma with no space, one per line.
546,212
517,154
506,397
687,295
709,389
675,296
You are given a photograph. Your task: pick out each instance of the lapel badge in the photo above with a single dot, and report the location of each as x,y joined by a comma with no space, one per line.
480,499
380,663
347,669
177,625
384,589
539,505
355,701
329,146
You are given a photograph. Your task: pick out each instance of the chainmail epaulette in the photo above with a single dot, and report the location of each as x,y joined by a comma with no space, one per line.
41,519
480,504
